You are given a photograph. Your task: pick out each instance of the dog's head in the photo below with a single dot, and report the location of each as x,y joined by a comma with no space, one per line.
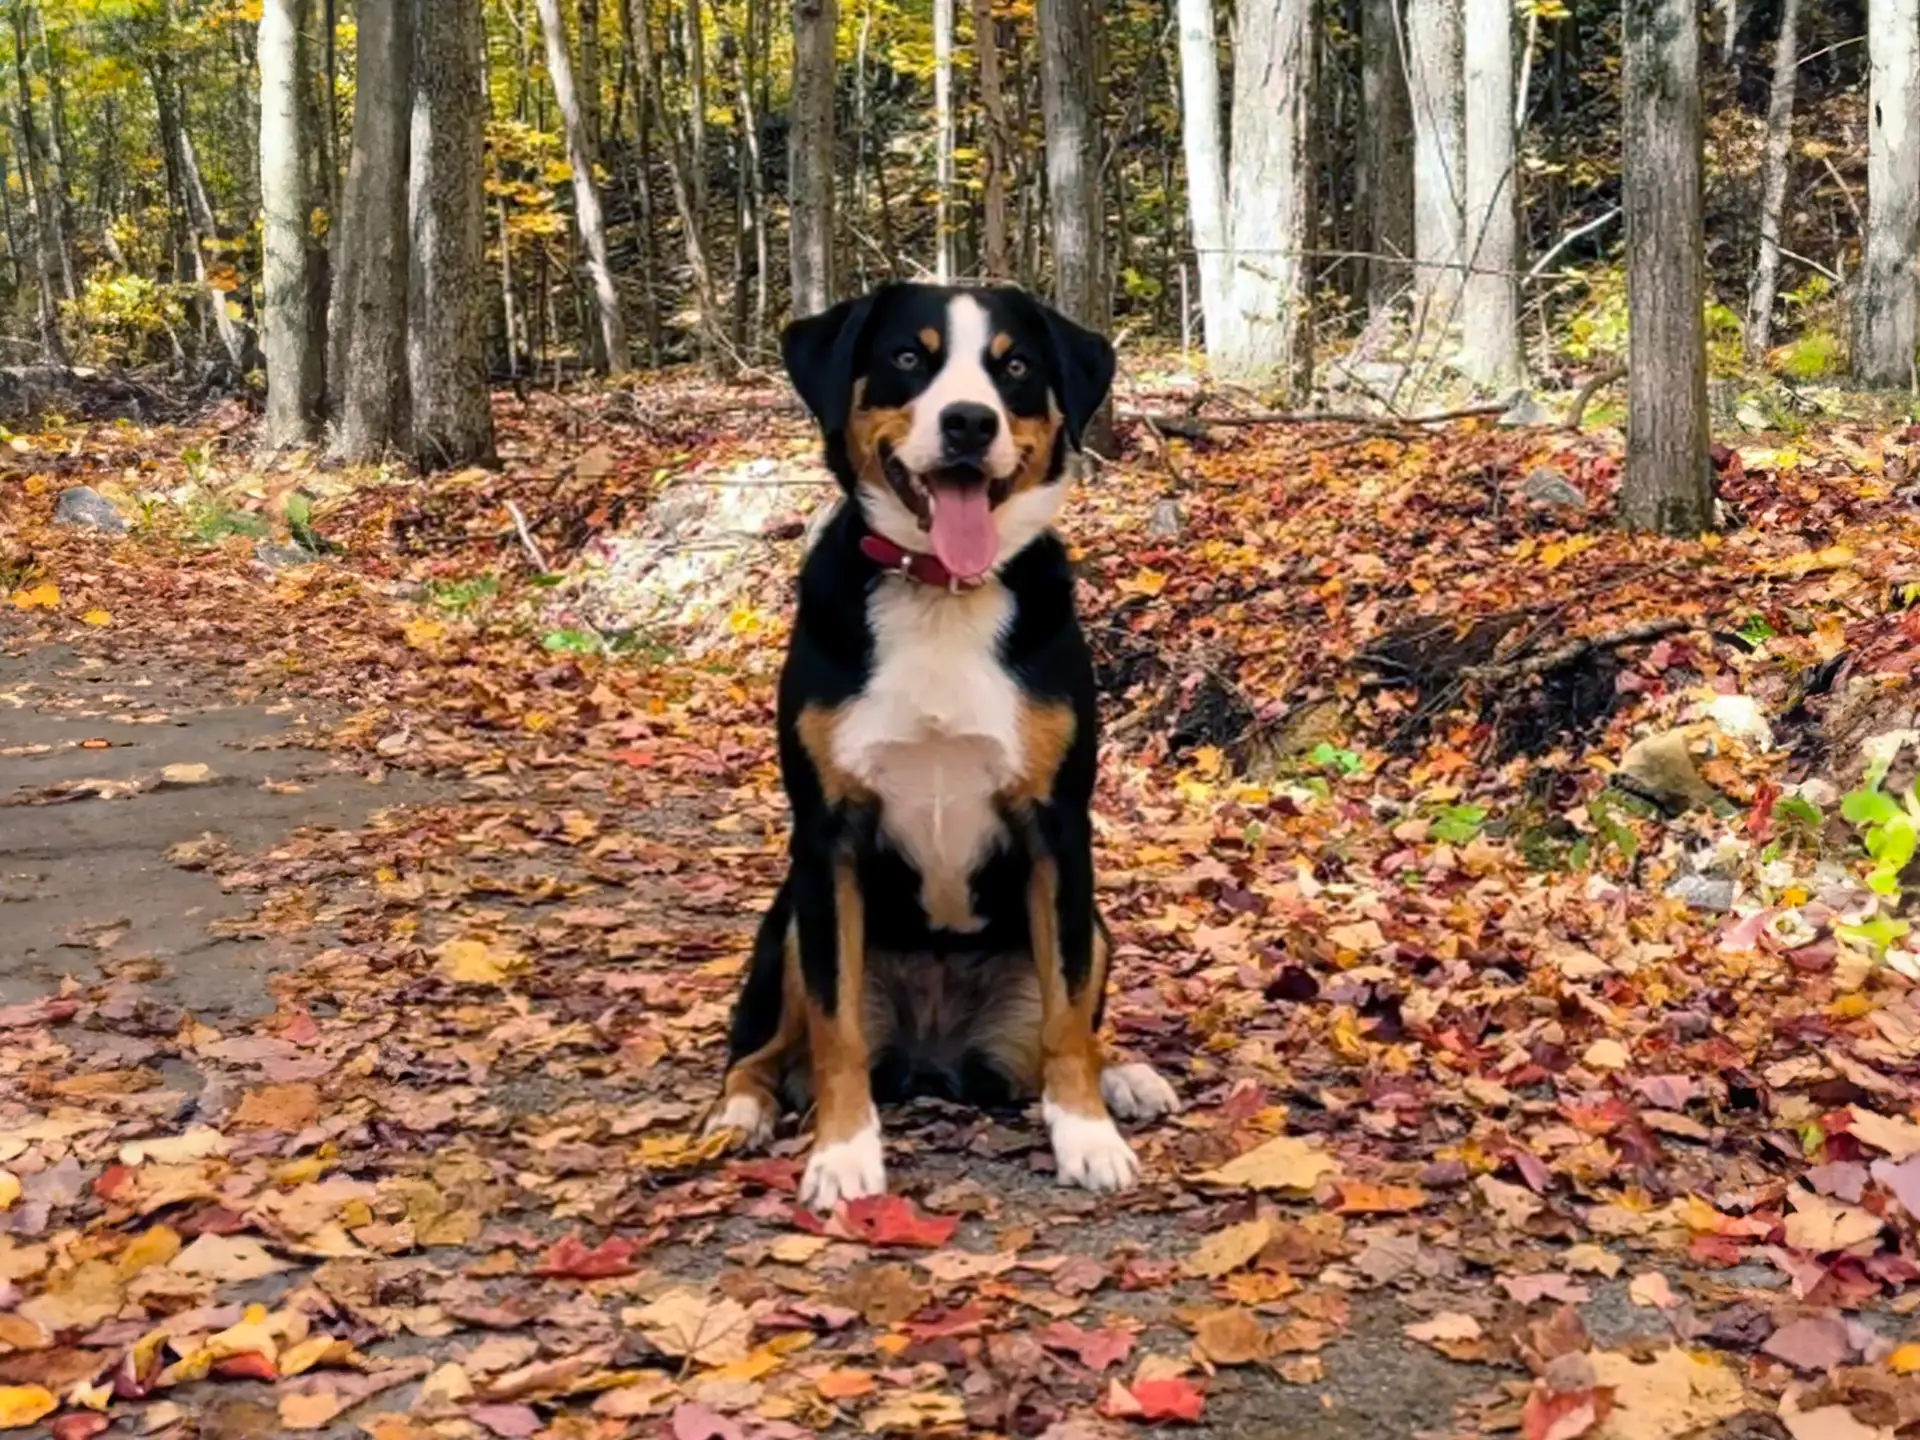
949,413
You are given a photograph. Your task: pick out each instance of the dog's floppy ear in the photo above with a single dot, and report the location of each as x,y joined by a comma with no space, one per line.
819,353
1083,364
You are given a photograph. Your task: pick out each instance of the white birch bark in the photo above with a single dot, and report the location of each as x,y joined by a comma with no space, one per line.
943,140
1773,201
810,153
1434,84
285,218
1206,164
1887,303
1490,352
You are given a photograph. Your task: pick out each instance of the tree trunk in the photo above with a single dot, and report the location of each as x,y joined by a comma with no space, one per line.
1386,153
1668,485
43,206
810,155
1434,86
1766,273
611,349
57,151
756,188
1729,29
697,103
1269,187
367,372
590,74
447,277
201,225
285,219
1206,166
1069,106
943,140
1491,353
1886,306
997,261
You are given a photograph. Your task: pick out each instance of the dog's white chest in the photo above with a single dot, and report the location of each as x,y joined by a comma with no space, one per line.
936,733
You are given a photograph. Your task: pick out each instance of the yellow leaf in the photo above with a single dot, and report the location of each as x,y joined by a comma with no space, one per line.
21,1405
45,596
97,617
1228,1249
1905,1360
684,1325
1283,1163
422,632
156,1246
9,1189
310,1411
1145,581
478,962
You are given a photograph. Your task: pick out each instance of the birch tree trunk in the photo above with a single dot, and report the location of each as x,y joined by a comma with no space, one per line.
446,215
610,351
292,385
998,259
1269,188
1434,85
1766,273
57,149
1729,29
1668,485
697,103
1386,153
367,369
1886,306
1070,109
1491,353
1206,164
943,140
810,155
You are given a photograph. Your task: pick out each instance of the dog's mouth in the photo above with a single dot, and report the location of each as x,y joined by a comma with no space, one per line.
954,505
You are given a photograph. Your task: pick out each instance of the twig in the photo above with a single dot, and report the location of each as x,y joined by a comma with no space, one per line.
1195,426
1540,266
1845,190
526,539
1832,275
1585,394
1575,650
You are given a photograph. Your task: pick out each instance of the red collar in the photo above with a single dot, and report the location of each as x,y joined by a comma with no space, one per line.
914,564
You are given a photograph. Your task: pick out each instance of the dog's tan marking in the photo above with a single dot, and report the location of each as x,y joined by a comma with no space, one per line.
1033,437
816,726
1070,1057
837,1040
760,1075
930,338
1046,734
1000,344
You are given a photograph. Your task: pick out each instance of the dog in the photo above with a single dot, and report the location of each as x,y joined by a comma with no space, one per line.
936,934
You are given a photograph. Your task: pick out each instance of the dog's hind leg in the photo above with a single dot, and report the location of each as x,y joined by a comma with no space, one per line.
768,1037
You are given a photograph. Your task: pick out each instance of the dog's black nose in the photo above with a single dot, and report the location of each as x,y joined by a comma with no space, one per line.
967,428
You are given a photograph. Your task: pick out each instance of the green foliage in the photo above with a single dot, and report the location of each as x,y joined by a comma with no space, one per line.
460,597
1755,630
210,522
1814,355
1458,824
1610,830
1888,829
124,319
1330,757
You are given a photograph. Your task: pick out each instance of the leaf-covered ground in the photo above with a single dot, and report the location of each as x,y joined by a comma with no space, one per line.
378,920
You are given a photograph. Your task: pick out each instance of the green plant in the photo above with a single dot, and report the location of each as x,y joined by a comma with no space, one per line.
1458,824
209,521
1330,757
461,596
1610,829
1888,828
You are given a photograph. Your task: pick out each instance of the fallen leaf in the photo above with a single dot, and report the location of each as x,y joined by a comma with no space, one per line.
196,1144
1358,1198
478,962
896,1220
572,1259
693,1421
1096,1349
1813,1342
511,1422
40,597
1673,1393
1283,1163
1154,1400
1513,1204
1897,1137
684,1325
1551,1415
24,1405
1824,1225
1233,1336
1826,1422
311,1410
1448,1325
1652,1289
1227,1250
289,1107
911,1411
195,773
844,1384
227,1258
77,1426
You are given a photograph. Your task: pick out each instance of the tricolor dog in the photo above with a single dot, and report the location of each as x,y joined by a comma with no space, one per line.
937,932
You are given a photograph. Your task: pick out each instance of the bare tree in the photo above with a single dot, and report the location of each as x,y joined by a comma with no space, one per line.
286,216
998,260
943,140
1886,306
1269,188
1434,83
1491,352
1668,484
367,367
611,335
1386,152
1206,163
810,154
1766,273
1070,107
446,211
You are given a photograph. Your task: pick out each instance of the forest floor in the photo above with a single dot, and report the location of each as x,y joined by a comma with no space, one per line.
369,922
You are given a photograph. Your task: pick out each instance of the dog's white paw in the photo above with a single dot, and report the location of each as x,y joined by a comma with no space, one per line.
1137,1092
845,1170
748,1116
1088,1151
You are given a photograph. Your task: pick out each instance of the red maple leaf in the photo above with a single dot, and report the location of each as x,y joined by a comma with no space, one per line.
572,1258
1563,1416
78,1427
1153,1401
892,1220
1096,1349
250,1366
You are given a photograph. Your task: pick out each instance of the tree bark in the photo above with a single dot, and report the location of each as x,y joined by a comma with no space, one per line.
590,74
1434,85
697,103
1886,309
367,372
1779,154
1206,165
1668,484
1491,353
997,261
447,277
611,332
201,226
285,220
1070,106
1386,153
943,140
57,151
810,155
1270,186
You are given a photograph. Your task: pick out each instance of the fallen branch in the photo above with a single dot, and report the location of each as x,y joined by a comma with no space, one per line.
526,539
1586,392
1573,650
1194,427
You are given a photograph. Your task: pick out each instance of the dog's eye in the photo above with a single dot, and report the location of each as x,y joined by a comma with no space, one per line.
907,359
1016,368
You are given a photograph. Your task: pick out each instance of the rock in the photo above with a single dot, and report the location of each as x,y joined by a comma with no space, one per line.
86,507
1741,718
1661,767
1821,794
1164,523
1525,410
1704,892
1547,486
282,557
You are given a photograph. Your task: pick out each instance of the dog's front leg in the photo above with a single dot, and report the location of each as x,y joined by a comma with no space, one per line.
829,919
1087,1148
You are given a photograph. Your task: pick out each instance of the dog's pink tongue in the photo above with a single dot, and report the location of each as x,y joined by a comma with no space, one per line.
962,533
